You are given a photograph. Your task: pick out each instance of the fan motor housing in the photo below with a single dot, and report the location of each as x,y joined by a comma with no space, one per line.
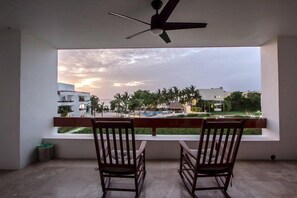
155,22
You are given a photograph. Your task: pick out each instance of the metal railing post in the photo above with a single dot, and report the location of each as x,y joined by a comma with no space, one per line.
154,131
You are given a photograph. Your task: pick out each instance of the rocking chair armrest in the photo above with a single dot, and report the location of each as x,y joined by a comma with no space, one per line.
141,149
185,147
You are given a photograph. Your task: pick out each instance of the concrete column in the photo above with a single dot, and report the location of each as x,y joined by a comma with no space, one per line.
28,91
10,45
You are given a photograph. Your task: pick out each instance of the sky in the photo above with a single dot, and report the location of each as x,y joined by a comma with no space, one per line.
105,72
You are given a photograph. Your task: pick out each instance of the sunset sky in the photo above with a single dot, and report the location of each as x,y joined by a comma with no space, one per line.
105,72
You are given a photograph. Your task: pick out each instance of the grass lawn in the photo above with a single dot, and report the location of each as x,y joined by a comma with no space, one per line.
181,131
231,114
65,129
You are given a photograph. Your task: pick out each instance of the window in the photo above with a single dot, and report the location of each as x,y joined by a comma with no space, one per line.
173,82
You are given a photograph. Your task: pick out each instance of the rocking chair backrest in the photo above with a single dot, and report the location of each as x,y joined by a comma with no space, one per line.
115,146
219,143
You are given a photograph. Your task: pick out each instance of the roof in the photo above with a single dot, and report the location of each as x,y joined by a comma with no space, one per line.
216,94
176,105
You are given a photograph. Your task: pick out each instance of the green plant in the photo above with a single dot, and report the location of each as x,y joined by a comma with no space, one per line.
173,131
64,110
65,129
196,109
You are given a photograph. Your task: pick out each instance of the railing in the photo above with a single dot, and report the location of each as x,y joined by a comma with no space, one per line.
65,101
155,123
83,100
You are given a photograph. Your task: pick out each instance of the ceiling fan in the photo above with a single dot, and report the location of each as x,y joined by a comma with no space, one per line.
159,24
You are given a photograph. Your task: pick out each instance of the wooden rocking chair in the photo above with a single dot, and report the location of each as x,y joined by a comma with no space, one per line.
117,155
215,157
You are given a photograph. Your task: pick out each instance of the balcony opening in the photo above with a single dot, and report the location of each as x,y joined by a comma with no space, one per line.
161,83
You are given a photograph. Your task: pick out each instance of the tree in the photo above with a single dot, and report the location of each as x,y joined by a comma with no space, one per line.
170,95
254,101
64,110
94,105
125,101
100,108
176,92
165,98
238,102
120,103
190,95
227,105
134,104
207,105
182,96
117,103
158,98
142,99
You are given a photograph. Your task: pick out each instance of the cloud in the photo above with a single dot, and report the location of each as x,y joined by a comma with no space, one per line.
105,72
100,60
88,82
62,68
128,84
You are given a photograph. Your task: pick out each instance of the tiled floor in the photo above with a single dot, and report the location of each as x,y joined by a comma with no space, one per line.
77,178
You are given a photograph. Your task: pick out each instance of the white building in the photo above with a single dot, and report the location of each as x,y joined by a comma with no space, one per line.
216,95
76,101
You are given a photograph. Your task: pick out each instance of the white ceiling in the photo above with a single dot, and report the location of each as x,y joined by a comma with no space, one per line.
86,24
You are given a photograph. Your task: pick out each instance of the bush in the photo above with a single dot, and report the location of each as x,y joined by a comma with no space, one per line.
196,109
65,129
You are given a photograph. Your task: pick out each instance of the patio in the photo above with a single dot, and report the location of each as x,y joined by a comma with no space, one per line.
77,178
31,33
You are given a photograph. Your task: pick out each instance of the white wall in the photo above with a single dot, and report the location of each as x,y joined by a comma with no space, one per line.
287,54
270,87
279,96
38,94
28,92
10,99
28,97
64,86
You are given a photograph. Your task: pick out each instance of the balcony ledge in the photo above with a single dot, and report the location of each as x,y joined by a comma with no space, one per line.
245,138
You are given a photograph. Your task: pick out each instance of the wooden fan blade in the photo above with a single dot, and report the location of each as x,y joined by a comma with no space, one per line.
165,37
126,17
178,26
133,35
167,10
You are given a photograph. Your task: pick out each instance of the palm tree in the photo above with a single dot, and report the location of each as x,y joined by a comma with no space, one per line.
158,97
148,100
176,93
182,96
134,104
117,102
101,108
187,95
125,101
193,94
94,105
170,95
165,96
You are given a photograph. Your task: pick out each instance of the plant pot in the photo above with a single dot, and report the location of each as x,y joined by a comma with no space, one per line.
45,152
